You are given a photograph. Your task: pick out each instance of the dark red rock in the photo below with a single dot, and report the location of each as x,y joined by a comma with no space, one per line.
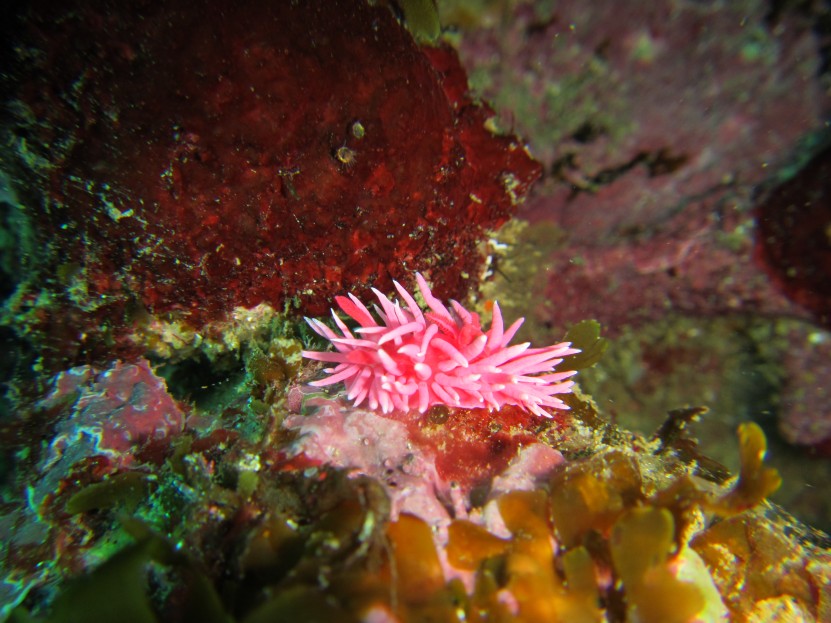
191,161
794,237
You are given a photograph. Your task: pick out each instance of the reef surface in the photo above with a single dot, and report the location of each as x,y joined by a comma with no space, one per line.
646,183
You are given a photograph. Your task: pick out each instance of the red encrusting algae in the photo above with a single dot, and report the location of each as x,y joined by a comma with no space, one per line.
253,160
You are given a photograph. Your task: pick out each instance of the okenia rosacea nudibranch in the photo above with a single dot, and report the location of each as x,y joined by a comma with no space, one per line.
415,358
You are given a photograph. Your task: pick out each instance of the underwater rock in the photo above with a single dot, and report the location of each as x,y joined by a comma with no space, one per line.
185,163
101,430
805,410
347,514
662,128
794,221
655,125
273,501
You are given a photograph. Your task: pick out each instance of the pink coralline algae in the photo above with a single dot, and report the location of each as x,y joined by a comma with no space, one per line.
438,357
110,412
105,416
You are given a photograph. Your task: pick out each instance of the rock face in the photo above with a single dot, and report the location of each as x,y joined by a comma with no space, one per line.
684,195
655,125
185,163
